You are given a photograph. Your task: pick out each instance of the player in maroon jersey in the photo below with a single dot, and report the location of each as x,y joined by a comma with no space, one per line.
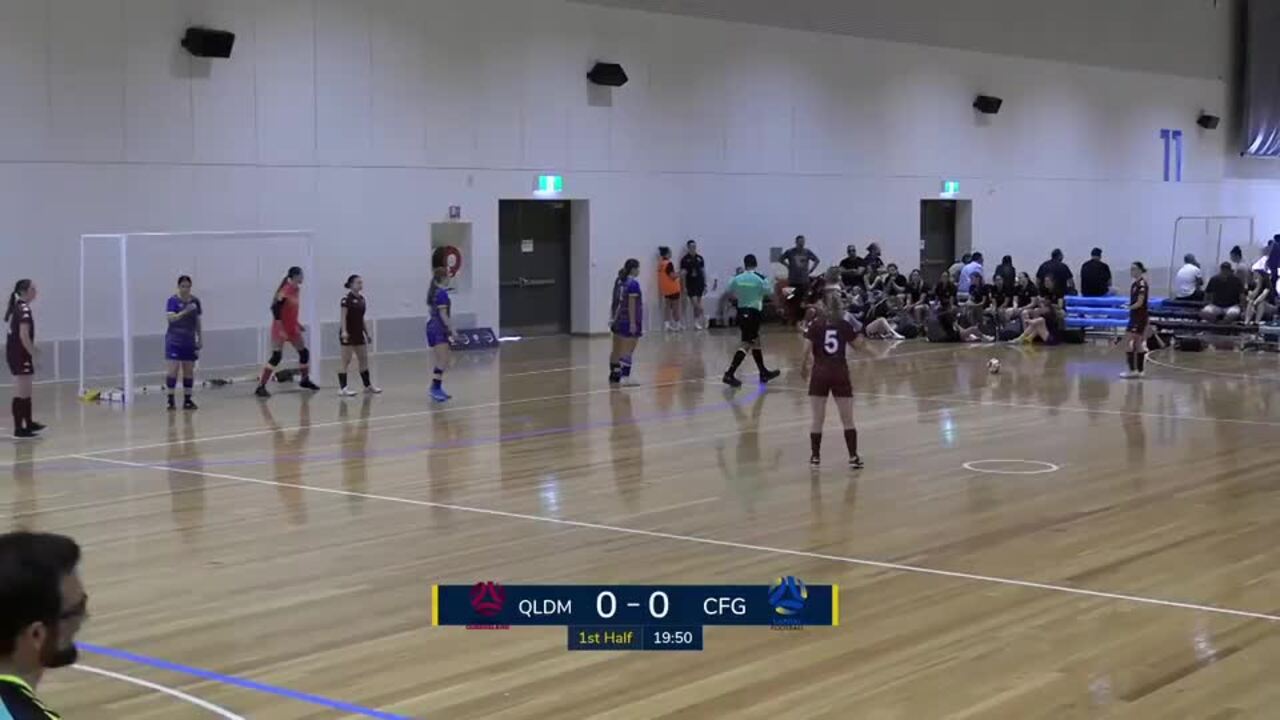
1139,318
828,335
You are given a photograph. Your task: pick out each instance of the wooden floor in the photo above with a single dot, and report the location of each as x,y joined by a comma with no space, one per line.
293,544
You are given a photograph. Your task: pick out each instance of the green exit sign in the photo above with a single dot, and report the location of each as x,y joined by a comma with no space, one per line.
549,185
950,187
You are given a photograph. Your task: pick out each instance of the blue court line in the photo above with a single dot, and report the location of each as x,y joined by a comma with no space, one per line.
159,664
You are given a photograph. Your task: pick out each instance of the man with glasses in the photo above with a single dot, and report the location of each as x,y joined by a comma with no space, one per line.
42,606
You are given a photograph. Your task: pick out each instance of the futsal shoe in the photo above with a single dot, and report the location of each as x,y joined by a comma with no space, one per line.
172,405
732,381
262,392
188,404
815,461
614,378
35,427
347,392
372,390
439,395
855,462
1130,375
769,375
308,385
24,434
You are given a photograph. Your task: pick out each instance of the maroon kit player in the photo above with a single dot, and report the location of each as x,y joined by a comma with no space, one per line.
1135,334
827,336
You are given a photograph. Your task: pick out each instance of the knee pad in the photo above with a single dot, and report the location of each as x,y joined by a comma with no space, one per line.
276,357
304,356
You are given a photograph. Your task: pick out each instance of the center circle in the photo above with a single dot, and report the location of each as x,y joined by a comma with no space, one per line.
1011,467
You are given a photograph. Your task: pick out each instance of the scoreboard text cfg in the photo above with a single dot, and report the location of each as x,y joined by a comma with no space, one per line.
636,617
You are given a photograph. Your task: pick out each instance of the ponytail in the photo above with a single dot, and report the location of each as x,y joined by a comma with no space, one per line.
294,272
19,288
350,279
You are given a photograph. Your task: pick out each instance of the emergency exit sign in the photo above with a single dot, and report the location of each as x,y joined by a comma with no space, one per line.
950,187
549,185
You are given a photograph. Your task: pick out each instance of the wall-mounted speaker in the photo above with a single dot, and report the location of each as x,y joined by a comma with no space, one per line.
608,74
1208,122
206,43
987,105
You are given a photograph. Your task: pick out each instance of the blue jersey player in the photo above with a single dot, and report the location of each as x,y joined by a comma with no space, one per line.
439,330
182,341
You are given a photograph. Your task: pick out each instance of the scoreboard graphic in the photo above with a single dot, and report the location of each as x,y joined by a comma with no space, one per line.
636,617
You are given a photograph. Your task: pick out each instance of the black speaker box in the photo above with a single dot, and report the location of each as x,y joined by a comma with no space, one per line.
1208,122
608,74
987,105
206,43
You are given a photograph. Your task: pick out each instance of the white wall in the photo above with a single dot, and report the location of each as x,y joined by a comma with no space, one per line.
366,119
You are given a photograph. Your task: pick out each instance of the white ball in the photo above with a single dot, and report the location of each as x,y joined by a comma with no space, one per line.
993,366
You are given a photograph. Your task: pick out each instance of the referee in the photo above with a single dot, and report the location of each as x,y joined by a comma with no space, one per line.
749,289
42,606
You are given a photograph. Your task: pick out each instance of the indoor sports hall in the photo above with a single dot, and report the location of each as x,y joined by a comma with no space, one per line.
416,359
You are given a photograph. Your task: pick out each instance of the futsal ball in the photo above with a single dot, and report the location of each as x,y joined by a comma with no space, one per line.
993,366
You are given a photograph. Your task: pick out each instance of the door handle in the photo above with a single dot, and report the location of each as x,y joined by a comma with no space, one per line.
539,282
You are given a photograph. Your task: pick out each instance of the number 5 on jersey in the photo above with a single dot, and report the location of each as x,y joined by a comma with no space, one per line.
831,342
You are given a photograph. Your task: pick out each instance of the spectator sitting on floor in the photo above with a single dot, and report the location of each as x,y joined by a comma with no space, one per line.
1225,293
1095,276
979,297
1187,284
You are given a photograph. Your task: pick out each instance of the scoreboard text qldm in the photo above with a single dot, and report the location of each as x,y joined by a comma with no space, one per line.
636,617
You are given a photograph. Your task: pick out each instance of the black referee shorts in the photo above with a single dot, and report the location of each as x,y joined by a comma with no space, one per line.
749,324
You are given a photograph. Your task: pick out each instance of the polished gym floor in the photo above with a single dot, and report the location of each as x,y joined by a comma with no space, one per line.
1047,542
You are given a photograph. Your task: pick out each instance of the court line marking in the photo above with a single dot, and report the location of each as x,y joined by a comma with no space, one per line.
415,413
1046,467
1184,368
215,709
884,565
159,664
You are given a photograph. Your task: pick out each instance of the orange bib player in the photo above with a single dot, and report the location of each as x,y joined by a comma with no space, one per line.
286,328
827,336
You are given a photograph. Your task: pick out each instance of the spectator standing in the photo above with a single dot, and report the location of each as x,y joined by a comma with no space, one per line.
974,267
1225,293
957,266
801,263
1006,270
1095,276
874,263
693,268
1056,269
1239,266
1189,281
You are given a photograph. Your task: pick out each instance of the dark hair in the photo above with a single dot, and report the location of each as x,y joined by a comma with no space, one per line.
1096,252
664,251
689,242
1056,254
350,279
749,261
294,272
1138,264
1235,250
977,257
1188,258
1007,260
801,237
1225,267
19,288
965,258
184,278
32,566
627,267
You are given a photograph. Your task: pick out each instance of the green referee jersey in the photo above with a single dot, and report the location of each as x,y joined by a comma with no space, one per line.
19,702
750,288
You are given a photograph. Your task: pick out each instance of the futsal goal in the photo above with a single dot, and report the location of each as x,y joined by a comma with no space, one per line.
126,280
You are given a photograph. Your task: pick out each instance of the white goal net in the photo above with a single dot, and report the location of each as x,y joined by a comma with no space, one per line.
126,280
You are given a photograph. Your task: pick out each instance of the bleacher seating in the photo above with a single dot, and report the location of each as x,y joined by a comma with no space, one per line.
1097,313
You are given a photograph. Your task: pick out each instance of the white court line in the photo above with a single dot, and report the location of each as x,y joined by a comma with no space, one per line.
215,709
400,416
1184,368
917,569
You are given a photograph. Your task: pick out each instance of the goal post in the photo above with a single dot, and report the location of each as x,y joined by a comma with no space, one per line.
126,278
